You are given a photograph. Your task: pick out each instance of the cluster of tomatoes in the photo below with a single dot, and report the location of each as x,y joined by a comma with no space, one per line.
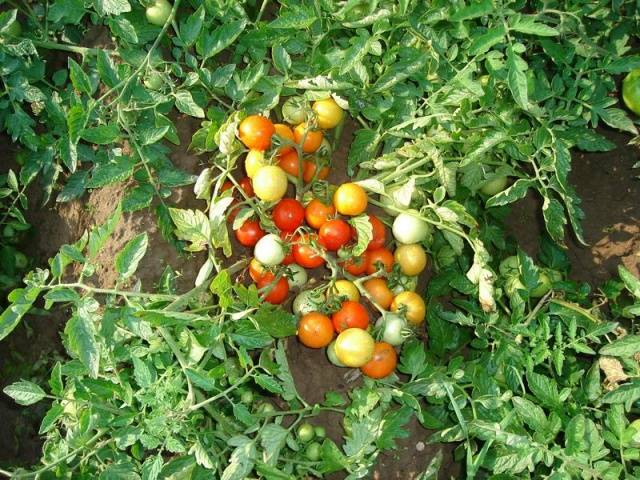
323,233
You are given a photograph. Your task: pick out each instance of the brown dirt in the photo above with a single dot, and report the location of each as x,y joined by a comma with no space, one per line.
610,192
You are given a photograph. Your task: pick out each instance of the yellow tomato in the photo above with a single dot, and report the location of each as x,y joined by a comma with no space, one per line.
347,289
270,183
411,258
350,199
354,347
253,162
328,113
412,305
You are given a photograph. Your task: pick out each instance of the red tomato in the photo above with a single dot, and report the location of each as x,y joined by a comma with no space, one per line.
334,234
376,257
233,213
351,315
289,163
226,186
317,213
355,266
249,233
285,132
289,257
378,231
278,292
258,272
288,214
255,132
246,186
383,363
306,255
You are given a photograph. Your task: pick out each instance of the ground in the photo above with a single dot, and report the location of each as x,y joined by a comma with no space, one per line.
605,182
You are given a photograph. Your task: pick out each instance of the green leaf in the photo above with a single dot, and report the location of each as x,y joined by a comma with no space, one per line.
223,36
121,27
106,69
152,467
400,71
79,78
527,24
50,419
275,321
295,18
333,460
363,147
530,413
143,373
121,168
101,135
192,226
392,427
76,120
545,389
99,235
25,392
487,40
364,233
246,335
588,140
617,118
21,302
112,7
624,64
241,460
281,59
138,198
75,186
191,27
626,346
516,79
515,192
129,257
272,439
554,218
81,336
473,10
630,281
186,104
202,380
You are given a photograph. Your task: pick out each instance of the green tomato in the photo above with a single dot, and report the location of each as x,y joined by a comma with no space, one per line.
153,81
246,397
306,432
158,13
265,407
513,284
294,110
320,431
544,285
495,185
509,266
21,260
631,91
409,228
308,301
554,275
313,451
331,355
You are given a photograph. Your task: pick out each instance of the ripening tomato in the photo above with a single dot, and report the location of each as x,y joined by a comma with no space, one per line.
257,271
413,306
334,234
309,171
253,161
305,254
317,213
354,347
411,258
328,113
287,239
351,315
288,214
285,133
356,265
270,183
289,163
158,13
345,288
383,363
408,228
247,187
255,132
350,199
315,330
312,139
377,257
249,233
378,232
278,291
379,291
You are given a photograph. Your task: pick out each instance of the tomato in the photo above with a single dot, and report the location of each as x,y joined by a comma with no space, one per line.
305,254
270,183
313,452
350,199
411,258
331,355
379,291
285,133
631,91
246,396
328,113
413,306
379,233
315,330
268,250
345,288
287,242
377,258
246,186
354,347
296,276
312,140
265,408
394,329
383,363
289,163
320,431
351,315
407,228
317,213
544,285
253,161
278,292
355,265
294,110
309,171
495,185
249,233
153,80
158,13
306,432
255,132
227,185
334,234
308,301
510,266
257,271
288,214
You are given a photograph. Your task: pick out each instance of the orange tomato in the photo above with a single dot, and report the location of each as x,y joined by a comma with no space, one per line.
285,132
305,254
315,330
351,315
309,171
255,132
289,163
317,213
312,140
257,271
383,363
379,291
355,266
350,199
412,305
377,257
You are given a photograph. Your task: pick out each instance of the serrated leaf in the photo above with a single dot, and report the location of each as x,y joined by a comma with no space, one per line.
272,439
554,218
191,27
296,18
102,134
487,40
21,302
112,7
79,78
186,104
25,392
527,24
626,346
99,235
220,38
81,337
474,10
627,393
617,118
129,257
362,148
50,419
516,79
281,58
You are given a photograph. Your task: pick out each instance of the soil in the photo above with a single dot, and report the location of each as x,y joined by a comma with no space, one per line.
604,181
